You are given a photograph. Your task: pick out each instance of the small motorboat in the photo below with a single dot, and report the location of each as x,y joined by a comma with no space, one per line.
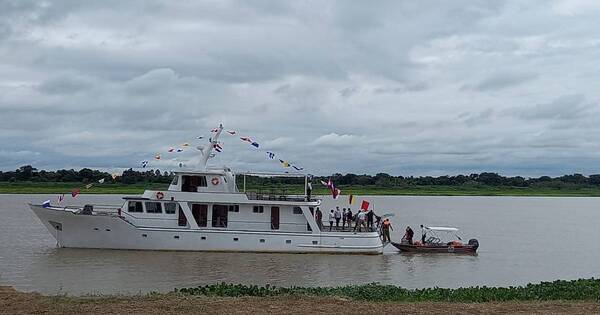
437,239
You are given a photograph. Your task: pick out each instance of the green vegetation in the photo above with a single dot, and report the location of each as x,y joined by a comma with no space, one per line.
583,289
28,179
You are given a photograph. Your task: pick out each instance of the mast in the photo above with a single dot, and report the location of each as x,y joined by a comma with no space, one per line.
206,152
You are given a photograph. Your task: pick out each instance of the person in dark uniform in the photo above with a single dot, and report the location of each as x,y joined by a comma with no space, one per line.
370,216
408,236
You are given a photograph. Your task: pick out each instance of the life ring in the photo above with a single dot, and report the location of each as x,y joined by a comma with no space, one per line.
215,181
160,195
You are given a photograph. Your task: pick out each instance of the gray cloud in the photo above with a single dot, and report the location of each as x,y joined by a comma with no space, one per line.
399,86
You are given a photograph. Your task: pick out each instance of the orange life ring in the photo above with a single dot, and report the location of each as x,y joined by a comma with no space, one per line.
214,181
160,195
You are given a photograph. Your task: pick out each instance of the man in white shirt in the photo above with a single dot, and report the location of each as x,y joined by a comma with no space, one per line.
338,216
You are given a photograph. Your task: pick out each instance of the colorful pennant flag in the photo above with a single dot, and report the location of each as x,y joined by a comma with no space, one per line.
179,150
231,132
297,168
157,157
218,147
144,164
271,155
364,206
200,137
101,181
171,149
185,145
284,163
75,192
215,130
246,139
351,199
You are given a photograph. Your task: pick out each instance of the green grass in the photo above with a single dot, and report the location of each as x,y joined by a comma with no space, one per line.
116,188
575,290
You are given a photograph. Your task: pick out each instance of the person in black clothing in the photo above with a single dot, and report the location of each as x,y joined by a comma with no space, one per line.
349,217
319,218
423,234
408,236
370,215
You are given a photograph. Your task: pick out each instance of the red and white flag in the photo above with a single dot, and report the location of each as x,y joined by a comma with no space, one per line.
75,192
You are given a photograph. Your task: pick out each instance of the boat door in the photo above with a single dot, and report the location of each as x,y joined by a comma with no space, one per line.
274,218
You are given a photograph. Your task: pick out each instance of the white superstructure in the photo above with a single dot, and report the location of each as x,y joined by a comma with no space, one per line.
203,210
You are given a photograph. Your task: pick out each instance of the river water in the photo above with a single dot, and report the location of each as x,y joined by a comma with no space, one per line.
522,240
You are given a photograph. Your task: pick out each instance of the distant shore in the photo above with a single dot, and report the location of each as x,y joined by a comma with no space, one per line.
563,297
434,190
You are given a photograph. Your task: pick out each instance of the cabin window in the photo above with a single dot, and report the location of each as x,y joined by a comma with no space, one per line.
200,213
135,206
234,208
297,210
219,215
153,207
175,181
258,209
170,207
191,183
181,219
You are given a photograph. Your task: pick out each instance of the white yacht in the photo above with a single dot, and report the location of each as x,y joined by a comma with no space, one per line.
203,210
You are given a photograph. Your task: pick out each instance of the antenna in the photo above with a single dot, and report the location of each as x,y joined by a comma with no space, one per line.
207,152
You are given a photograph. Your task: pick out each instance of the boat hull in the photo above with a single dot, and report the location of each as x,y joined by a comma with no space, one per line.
113,232
452,249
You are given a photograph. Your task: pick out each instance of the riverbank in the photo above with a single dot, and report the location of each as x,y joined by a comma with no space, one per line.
134,189
14,302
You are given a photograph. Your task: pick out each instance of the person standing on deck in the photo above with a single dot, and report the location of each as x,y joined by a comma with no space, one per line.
337,215
370,215
361,220
331,218
319,218
349,217
344,216
385,228
408,236
423,234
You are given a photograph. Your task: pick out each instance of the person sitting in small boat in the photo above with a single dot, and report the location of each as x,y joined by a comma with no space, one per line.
408,236
385,228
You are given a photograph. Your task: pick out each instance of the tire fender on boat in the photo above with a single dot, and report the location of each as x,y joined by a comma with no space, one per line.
160,195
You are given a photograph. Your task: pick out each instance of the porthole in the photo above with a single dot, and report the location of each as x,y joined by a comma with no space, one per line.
176,236
144,235
96,229
235,239
203,237
315,242
262,240
288,241
107,230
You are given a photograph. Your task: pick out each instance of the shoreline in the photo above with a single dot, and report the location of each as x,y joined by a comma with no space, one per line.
138,189
16,302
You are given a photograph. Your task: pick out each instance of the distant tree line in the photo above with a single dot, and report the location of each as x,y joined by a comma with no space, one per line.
28,173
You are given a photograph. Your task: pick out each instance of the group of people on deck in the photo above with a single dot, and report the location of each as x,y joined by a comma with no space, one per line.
360,221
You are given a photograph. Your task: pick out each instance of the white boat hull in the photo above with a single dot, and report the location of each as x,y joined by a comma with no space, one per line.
112,232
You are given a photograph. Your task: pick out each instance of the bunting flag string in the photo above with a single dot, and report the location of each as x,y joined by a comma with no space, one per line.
271,155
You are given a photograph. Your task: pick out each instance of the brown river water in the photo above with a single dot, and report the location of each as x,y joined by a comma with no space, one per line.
522,240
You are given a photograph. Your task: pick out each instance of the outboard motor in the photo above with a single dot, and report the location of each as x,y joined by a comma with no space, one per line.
474,242
87,210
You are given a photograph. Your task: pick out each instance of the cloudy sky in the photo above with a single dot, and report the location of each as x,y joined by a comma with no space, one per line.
404,87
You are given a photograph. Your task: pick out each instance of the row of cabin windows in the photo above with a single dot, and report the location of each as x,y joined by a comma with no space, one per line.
200,212
152,207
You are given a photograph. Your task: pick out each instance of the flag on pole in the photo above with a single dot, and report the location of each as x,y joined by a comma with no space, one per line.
46,204
335,193
365,205
75,192
351,199
60,198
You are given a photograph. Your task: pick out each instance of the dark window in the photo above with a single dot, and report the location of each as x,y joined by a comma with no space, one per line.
288,241
258,209
297,210
235,239
153,207
234,208
262,240
135,206
203,237
200,213
170,207
191,183
181,220
144,235
219,215
315,242
176,236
